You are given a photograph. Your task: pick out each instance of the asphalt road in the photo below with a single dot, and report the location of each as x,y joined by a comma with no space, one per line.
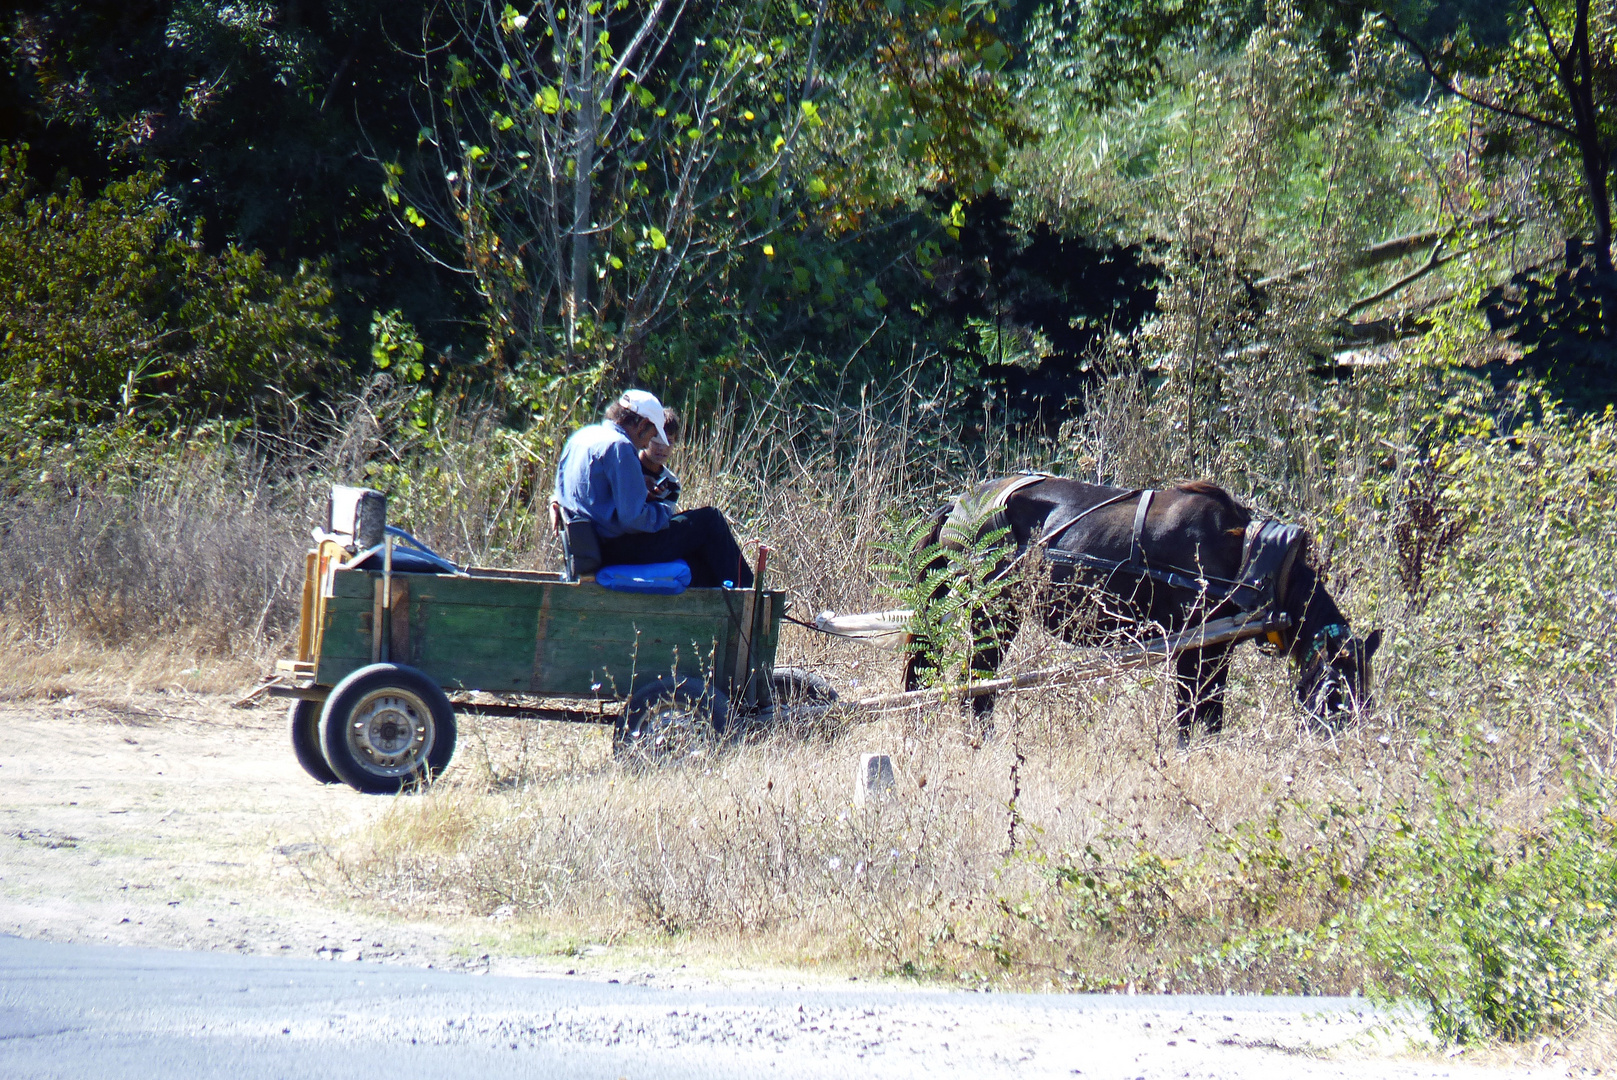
105,1011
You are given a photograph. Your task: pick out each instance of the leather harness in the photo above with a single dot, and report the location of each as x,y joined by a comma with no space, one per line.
1269,549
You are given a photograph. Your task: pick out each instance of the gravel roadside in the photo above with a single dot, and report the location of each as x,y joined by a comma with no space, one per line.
175,822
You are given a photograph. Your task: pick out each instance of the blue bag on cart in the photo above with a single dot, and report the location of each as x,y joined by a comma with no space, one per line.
659,579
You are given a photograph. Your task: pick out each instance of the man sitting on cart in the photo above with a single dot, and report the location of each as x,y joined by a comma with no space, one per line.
600,477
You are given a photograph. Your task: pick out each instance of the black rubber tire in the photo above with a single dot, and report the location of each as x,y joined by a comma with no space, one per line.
798,698
800,686
639,739
303,718
391,701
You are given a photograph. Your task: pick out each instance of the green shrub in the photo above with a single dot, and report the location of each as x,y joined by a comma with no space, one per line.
956,595
1536,562
109,311
1501,934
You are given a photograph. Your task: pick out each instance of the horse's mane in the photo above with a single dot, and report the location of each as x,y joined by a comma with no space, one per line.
1210,490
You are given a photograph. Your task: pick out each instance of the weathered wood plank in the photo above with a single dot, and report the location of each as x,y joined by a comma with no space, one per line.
494,592
576,666
306,609
378,620
399,622
350,585
345,636
537,636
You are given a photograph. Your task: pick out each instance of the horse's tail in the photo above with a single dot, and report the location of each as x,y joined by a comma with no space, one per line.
914,647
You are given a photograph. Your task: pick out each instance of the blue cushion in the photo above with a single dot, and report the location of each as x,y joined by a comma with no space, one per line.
661,579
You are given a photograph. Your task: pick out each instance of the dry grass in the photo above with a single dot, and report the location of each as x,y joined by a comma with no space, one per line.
762,850
184,573
75,665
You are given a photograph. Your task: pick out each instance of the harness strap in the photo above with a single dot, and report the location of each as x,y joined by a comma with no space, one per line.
1050,536
1137,548
1249,544
1167,577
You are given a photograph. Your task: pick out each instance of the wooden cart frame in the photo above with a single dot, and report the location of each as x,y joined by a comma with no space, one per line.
544,647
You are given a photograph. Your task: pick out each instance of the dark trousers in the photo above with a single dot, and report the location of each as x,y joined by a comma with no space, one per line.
701,537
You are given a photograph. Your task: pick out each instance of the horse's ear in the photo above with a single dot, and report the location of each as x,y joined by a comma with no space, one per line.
1372,643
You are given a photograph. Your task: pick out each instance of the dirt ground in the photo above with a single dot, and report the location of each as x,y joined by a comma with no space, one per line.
173,820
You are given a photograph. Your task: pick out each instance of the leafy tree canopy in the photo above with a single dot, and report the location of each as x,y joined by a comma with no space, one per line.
111,312
262,117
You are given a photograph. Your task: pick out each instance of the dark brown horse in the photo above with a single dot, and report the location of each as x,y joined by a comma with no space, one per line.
1117,561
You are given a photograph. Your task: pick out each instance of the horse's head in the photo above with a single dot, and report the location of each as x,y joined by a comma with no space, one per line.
1335,671
1333,666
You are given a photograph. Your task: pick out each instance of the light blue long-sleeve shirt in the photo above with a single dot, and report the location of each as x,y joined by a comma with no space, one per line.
599,476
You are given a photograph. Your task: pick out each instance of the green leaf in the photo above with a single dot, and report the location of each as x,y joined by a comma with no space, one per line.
547,100
658,240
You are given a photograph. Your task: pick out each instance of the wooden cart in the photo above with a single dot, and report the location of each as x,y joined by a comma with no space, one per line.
386,659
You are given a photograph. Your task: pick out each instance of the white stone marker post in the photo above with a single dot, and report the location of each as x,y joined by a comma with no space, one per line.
875,777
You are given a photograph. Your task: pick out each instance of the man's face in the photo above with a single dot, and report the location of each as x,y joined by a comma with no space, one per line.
642,433
656,453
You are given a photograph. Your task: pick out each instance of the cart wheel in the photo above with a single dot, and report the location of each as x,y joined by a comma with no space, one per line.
670,719
387,727
797,697
304,720
794,686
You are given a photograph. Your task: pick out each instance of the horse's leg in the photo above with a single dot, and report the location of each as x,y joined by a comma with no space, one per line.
1201,675
991,634
920,666
1210,708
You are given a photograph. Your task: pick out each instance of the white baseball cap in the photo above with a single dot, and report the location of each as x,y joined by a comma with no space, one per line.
643,403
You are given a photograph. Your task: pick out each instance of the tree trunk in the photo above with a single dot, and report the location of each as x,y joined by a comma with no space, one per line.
1577,80
583,177
1596,180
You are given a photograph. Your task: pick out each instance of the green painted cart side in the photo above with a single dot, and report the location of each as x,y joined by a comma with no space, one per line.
381,650
527,632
